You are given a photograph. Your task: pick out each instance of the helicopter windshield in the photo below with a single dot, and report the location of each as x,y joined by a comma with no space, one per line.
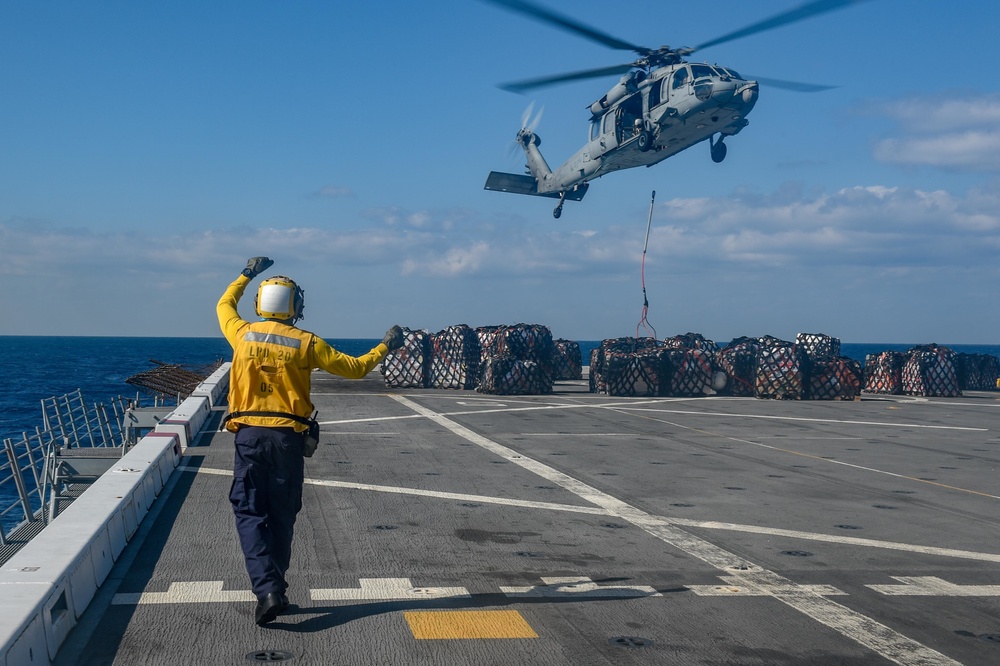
731,73
699,71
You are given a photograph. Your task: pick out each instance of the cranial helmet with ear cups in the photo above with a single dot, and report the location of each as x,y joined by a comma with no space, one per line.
279,298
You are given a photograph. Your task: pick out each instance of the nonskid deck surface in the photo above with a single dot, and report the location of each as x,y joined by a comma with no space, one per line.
445,527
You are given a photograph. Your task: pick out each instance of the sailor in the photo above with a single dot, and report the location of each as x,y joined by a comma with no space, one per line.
270,413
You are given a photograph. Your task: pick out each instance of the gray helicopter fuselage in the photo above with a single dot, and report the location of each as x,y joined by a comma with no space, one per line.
679,106
660,106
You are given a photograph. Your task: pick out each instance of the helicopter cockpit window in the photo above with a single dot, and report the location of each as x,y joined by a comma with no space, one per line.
595,130
680,78
699,71
732,73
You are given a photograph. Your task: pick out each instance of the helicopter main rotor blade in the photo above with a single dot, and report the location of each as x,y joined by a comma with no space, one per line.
790,85
802,12
530,84
569,24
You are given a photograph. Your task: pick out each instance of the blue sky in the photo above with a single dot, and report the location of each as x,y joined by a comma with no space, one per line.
148,149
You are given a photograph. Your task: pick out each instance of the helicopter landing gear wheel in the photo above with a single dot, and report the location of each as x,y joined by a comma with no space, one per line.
644,142
718,151
557,213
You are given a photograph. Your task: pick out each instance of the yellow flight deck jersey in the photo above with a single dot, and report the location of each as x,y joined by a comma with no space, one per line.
272,363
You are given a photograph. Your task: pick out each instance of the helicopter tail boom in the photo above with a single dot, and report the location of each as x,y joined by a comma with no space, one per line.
522,184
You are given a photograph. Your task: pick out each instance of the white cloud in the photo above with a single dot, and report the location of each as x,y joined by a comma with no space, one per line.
844,227
334,191
959,133
731,256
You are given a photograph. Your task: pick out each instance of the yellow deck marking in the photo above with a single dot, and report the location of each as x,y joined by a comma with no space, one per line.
431,625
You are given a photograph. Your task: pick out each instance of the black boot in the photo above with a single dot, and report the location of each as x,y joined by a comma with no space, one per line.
269,607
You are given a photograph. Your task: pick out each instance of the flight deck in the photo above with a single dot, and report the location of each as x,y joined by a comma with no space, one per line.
452,527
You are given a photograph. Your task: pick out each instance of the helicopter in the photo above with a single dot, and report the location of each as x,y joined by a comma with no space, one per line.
661,105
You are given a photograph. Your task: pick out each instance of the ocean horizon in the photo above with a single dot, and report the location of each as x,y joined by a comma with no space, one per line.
42,367
47,366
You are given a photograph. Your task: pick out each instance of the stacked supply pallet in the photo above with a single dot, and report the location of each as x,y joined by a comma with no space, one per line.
691,341
407,367
640,373
516,359
826,374
977,372
613,380
691,364
779,370
834,379
507,375
884,372
930,371
818,345
568,360
454,358
595,378
738,360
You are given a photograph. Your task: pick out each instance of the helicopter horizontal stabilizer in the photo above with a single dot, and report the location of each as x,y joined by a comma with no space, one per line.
522,184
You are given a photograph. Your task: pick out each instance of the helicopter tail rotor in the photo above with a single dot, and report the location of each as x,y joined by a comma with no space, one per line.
529,122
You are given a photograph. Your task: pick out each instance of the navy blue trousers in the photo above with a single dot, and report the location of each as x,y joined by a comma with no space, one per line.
266,496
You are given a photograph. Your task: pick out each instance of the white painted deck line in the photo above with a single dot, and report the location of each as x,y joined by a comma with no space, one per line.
851,624
685,522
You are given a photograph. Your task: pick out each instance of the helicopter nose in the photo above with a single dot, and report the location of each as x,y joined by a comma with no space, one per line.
750,93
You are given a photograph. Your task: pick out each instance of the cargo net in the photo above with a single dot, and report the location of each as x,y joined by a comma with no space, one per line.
506,375
689,372
692,341
171,379
639,373
884,373
407,367
529,344
834,379
599,368
977,372
568,360
818,346
930,372
738,360
779,370
454,358
596,380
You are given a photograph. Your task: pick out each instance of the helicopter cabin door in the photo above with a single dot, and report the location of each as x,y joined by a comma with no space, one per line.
608,136
620,123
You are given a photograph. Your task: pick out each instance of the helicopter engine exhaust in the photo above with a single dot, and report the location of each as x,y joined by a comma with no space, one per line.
625,87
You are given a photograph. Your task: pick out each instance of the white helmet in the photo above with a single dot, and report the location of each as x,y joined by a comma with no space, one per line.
279,298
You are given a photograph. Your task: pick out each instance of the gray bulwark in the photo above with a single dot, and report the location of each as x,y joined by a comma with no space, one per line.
439,524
